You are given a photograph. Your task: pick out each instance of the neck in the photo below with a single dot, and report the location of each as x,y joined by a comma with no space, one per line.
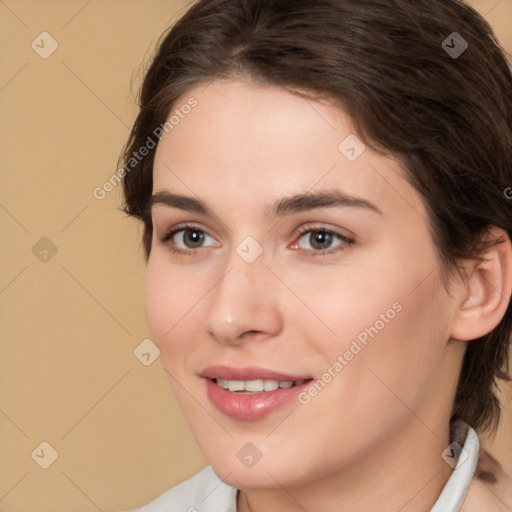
403,473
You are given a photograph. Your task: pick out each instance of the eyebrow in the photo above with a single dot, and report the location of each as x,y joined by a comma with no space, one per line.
281,207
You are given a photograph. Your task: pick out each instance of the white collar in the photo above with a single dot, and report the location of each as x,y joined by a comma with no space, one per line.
455,491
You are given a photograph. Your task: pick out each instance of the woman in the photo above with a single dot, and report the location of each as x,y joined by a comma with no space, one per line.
329,266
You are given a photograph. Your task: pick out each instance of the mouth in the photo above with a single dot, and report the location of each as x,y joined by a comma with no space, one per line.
257,385
251,393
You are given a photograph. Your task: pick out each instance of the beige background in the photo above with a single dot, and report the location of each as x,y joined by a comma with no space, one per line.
69,325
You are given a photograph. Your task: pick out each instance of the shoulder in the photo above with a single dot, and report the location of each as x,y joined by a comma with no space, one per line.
489,497
491,486
205,491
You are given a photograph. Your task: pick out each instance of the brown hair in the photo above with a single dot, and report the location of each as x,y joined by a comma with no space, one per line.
447,117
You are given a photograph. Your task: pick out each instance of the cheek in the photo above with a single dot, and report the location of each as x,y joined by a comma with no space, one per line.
401,358
156,301
387,315
173,303
165,301
356,301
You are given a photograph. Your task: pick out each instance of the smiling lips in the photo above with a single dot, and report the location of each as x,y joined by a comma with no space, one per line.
250,393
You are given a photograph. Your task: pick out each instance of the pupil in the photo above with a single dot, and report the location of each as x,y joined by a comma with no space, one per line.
320,238
195,237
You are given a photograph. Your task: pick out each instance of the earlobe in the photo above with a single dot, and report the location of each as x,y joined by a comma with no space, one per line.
487,290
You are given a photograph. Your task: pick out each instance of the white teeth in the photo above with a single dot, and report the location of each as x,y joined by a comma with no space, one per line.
223,383
270,385
256,386
236,385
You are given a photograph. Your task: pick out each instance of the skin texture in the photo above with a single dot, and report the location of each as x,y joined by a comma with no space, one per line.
372,438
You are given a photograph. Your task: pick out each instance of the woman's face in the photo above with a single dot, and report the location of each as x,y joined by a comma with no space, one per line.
299,258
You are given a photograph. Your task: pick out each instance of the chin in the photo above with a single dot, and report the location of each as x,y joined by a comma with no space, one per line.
267,473
249,478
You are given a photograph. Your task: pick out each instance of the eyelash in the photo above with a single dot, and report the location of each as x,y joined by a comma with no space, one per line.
301,232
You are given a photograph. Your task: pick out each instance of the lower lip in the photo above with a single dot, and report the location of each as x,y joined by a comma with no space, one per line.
250,406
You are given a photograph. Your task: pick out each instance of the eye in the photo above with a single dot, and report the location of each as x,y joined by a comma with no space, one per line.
321,239
190,239
186,239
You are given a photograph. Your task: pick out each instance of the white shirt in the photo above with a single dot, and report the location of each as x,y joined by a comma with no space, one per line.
206,492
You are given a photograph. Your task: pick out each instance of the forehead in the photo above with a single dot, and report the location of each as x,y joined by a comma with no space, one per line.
244,143
236,121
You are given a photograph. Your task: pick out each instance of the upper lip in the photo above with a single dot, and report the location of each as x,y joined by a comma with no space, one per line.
248,373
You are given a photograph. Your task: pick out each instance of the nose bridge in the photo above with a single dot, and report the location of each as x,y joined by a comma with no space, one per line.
242,300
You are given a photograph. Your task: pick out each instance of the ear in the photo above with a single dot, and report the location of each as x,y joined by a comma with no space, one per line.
486,291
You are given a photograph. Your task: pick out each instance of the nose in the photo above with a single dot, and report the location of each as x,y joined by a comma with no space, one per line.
243,304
